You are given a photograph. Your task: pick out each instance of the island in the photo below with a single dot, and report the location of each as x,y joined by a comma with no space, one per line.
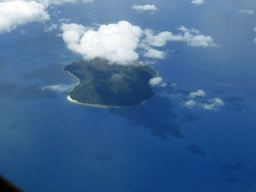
101,84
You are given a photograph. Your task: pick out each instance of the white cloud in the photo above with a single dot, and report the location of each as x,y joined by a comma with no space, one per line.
115,42
246,11
72,34
198,40
57,88
156,81
163,37
120,42
198,2
190,103
192,30
199,93
153,53
214,103
51,28
194,102
16,13
159,40
141,8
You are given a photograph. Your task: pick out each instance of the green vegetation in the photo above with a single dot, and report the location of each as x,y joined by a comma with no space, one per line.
111,85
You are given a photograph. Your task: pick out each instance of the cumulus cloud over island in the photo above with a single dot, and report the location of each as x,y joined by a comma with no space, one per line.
119,42
115,42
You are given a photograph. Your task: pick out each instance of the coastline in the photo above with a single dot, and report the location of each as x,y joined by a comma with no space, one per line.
103,106
90,105
74,76
86,104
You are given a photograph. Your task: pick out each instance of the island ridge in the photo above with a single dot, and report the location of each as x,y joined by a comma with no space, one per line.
110,85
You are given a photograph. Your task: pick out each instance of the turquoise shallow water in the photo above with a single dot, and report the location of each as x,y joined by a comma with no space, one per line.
50,144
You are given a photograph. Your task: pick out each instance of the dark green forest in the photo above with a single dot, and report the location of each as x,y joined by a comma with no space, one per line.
111,84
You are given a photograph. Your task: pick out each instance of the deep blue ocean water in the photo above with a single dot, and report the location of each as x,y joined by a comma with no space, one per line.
50,144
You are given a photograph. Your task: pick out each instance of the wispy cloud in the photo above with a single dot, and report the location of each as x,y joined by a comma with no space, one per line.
198,2
250,12
57,88
50,28
64,20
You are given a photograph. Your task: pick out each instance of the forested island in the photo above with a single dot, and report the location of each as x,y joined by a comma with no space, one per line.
110,85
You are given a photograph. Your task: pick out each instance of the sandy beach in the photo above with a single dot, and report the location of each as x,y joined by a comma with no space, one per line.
91,105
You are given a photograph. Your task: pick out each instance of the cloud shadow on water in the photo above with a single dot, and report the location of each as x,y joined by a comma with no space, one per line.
239,174
190,118
234,103
184,92
10,126
217,91
155,115
195,149
7,89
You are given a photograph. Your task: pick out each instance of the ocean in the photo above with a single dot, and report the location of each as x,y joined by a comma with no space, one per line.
51,144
